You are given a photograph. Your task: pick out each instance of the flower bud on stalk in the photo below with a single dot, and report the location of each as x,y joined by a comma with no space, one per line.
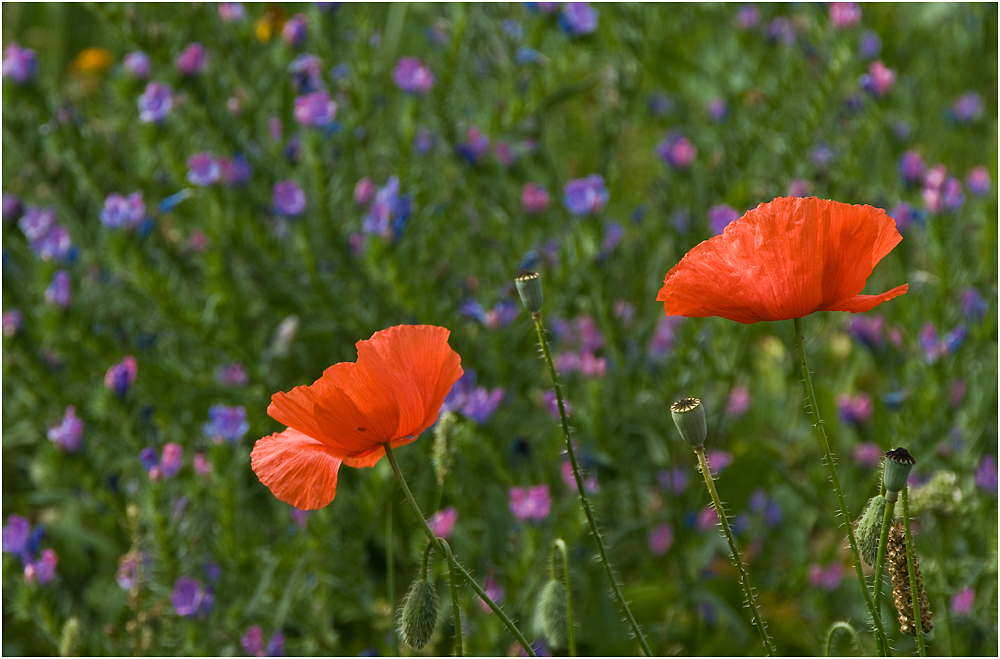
689,417
420,612
552,614
898,463
529,287
869,529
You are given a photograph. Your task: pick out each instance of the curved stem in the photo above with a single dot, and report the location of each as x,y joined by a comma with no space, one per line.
911,567
454,563
560,547
539,327
455,609
845,516
758,621
883,542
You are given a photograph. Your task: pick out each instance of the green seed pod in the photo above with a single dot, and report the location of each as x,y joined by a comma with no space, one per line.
420,612
529,287
898,463
552,614
689,417
869,529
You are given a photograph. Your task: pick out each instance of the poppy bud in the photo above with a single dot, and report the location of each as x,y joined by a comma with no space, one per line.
689,417
444,445
552,614
529,287
420,612
898,463
869,529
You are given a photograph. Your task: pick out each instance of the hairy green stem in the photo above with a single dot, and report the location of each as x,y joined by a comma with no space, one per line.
845,516
559,547
390,567
912,569
455,608
455,565
758,621
883,542
846,627
540,328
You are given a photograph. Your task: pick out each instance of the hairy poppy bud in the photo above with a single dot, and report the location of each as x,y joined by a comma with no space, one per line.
529,287
869,529
898,463
420,612
552,614
689,417
444,445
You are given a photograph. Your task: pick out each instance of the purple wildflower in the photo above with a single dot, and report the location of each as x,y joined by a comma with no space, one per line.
172,460
662,341
235,171
423,142
612,236
738,402
963,601
203,169
552,404
855,409
844,14
192,60
288,198
974,305
781,29
534,198
968,108
676,150
58,292
121,376
660,539
879,80
137,64
912,167
443,521
978,180
231,375
231,12
12,207
294,30
706,519
986,473
748,16
226,423
477,145
493,590
868,454
481,403
624,311
869,46
186,596
530,502
43,570
13,319
148,458
123,212
542,7
19,64
68,434
54,245
412,76
37,222
201,465
718,460
253,642
306,76
388,212
128,569
578,18
717,109
721,216
956,393
951,194
585,195
315,109
590,483
868,330
828,578
660,105
364,190
276,646
798,188
674,480
15,535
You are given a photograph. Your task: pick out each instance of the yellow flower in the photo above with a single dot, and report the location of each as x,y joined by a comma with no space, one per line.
92,59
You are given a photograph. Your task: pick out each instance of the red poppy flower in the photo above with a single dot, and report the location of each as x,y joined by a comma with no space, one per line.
782,260
391,394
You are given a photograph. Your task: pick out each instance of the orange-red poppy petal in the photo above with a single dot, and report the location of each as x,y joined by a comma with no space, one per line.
297,469
784,259
860,303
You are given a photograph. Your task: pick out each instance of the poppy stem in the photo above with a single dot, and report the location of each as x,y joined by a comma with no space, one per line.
390,569
453,563
758,621
911,552
540,328
883,543
881,642
455,608
559,548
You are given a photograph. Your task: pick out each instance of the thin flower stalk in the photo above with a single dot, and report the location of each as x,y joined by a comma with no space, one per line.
564,420
911,568
390,569
454,564
880,638
455,607
559,548
890,508
758,621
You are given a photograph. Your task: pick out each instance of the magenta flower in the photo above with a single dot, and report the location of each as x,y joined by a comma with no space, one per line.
443,521
855,409
253,641
235,171
412,76
748,16
868,454
963,601
294,30
15,534
68,434
530,502
123,212
590,482
315,109
986,474
232,375
879,80
121,376
186,596
912,167
844,14
493,591
578,18
477,145
798,188
718,460
137,64
721,216
43,570
201,465
19,64
203,169
364,190
828,578
155,103
676,150
978,180
534,198
738,402
585,196
662,342
552,404
172,460
192,60
231,11
968,108
288,199
660,539
13,319
58,292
